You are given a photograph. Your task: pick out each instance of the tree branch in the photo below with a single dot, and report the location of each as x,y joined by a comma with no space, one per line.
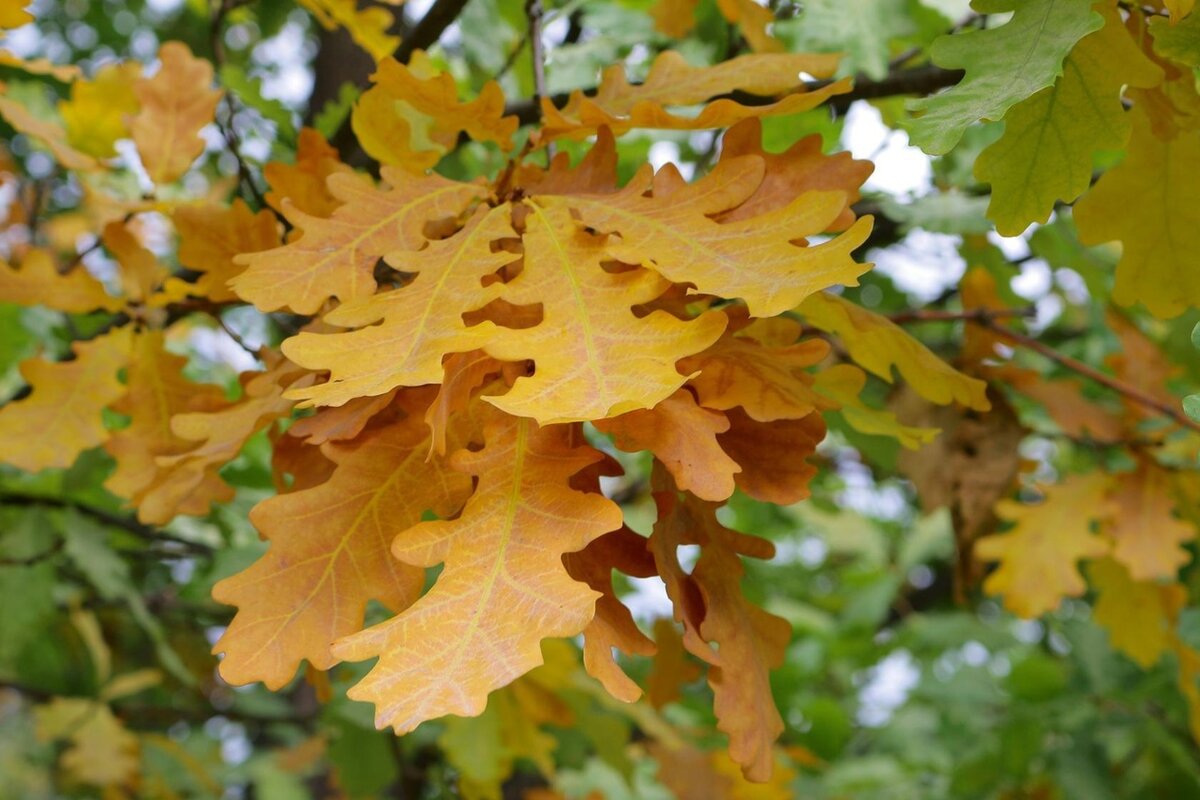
426,33
1132,393
127,524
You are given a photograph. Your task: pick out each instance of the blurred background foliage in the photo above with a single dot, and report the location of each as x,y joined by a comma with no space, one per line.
901,680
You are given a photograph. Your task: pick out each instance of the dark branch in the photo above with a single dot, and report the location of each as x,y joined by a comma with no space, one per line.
439,17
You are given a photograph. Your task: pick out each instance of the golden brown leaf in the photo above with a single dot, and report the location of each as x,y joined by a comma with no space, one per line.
341,422
768,383
1148,538
412,116
210,237
175,104
336,257
672,667
683,436
1138,615
329,554
772,455
1038,556
503,586
303,183
62,417
622,106
100,752
674,18
754,21
38,282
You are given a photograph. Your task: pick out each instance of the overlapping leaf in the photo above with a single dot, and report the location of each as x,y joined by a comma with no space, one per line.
175,104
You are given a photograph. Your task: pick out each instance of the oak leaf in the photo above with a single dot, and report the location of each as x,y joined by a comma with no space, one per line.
340,423
329,553
1148,539
175,104
1037,557
1138,615
840,386
100,751
1050,140
96,115
63,415
369,27
772,455
412,116
211,237
503,585
38,282
671,81
336,256
672,668
1156,218
750,641
754,21
674,18
303,182
48,132
878,344
683,436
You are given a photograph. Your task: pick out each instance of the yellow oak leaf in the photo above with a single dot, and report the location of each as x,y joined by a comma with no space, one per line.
754,21
1148,539
768,383
96,115
341,422
613,627
878,344
175,104
801,168
622,106
594,356
1155,216
211,236
336,257
674,18
157,390
48,132
13,13
751,258
38,282
329,553
303,182
503,587
411,116
188,482
1037,557
464,373
1138,615
750,641
62,416
842,384
683,436
140,270
368,27
772,455
404,333
1050,140
100,751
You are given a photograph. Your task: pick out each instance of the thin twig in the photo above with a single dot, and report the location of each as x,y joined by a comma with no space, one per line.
1120,387
974,315
228,132
128,524
537,51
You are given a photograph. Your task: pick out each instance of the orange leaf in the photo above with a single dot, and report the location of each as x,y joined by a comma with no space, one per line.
803,167
175,104
38,282
1148,539
62,417
672,667
329,554
612,627
503,587
754,21
303,183
140,270
340,423
772,455
750,641
683,436
157,392
336,256
768,383
211,236
1038,556
411,116
622,106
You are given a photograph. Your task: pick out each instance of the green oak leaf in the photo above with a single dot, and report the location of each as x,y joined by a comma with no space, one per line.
1179,41
1046,152
1003,65
862,29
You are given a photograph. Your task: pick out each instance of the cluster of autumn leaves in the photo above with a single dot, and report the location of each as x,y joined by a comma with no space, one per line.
522,326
